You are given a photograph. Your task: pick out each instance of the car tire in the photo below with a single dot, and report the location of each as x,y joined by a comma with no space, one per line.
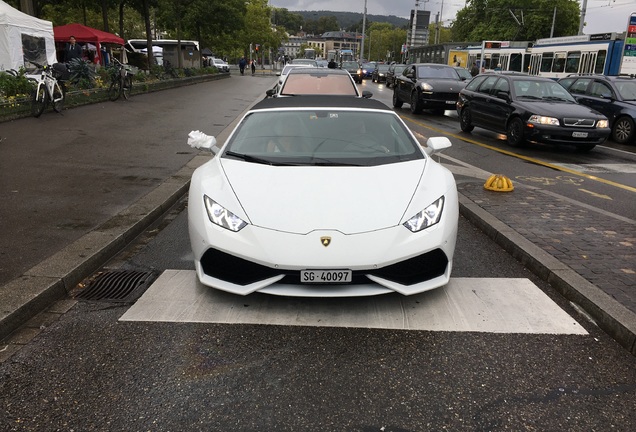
397,103
623,130
514,132
415,102
464,120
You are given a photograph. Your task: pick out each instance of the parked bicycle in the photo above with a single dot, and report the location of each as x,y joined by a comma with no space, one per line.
121,81
47,88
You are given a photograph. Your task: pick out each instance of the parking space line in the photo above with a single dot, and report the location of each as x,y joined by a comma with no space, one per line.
494,305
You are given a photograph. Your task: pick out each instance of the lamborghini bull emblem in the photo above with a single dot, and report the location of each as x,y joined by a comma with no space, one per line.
326,241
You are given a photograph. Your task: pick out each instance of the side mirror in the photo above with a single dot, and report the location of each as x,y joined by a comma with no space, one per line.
201,141
366,94
503,95
436,145
277,73
270,92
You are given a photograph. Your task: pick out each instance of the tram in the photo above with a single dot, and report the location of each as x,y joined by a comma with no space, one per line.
583,54
507,55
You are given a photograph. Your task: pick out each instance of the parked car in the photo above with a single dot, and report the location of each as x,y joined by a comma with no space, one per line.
394,69
427,86
379,73
283,208
613,96
318,81
529,109
353,68
220,65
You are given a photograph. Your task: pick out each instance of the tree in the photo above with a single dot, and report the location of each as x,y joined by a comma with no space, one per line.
497,19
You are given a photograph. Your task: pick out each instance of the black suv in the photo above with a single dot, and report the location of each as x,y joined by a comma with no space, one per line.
614,96
529,109
352,67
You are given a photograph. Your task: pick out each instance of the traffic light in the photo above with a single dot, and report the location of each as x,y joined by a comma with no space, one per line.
257,47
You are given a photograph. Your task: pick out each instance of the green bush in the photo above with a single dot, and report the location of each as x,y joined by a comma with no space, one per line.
11,85
82,73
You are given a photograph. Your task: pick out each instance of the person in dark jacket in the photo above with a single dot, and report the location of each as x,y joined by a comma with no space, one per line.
72,51
474,70
242,64
332,64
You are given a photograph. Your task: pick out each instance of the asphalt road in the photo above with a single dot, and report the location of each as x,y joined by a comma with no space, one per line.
89,370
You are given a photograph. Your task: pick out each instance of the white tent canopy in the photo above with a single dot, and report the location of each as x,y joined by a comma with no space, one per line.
24,39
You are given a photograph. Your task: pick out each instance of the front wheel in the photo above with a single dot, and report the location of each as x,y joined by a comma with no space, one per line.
397,103
127,86
514,132
59,93
114,90
464,120
39,99
416,108
623,130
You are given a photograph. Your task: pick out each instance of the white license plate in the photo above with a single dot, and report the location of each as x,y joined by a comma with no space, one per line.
325,276
579,134
451,102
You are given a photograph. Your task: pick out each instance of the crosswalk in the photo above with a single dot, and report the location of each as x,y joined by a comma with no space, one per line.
495,305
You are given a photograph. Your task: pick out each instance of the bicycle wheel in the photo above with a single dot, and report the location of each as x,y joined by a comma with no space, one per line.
59,93
127,86
39,99
115,89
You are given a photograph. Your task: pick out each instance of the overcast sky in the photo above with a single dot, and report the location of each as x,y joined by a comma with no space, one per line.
602,15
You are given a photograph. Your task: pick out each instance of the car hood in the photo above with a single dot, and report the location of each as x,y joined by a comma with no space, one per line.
440,84
560,109
346,199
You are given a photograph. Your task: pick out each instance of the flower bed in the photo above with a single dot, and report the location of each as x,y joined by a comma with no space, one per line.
19,105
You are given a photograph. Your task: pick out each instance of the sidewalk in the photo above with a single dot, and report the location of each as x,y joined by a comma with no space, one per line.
588,255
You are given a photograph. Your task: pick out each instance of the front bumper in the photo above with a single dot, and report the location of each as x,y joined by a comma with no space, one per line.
564,135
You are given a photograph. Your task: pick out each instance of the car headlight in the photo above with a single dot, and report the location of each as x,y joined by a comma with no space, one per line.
427,217
602,124
544,120
427,87
221,216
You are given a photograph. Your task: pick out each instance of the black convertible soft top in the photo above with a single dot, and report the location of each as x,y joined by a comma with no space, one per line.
330,101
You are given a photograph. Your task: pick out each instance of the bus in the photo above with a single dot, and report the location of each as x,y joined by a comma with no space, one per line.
310,53
592,54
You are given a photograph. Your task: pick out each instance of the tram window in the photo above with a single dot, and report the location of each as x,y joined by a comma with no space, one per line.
558,65
599,67
572,62
494,61
515,62
546,62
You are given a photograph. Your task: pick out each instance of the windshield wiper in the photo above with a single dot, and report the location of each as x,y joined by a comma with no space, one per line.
556,98
249,158
530,97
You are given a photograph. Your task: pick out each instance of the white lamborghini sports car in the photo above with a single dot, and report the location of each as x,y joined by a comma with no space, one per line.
322,196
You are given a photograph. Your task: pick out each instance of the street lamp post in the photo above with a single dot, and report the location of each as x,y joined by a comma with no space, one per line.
364,25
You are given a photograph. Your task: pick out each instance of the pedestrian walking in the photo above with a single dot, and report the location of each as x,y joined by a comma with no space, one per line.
253,67
242,64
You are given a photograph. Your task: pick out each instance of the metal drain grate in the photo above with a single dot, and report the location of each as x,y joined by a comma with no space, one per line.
117,286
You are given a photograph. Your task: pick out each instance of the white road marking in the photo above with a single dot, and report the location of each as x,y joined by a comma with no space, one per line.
491,305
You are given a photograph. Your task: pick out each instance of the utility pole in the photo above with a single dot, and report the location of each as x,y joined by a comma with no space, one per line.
364,25
583,12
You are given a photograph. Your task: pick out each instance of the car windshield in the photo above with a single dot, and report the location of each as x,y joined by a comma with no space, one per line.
627,89
349,65
330,137
305,61
541,90
368,66
318,83
436,72
463,73
383,68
